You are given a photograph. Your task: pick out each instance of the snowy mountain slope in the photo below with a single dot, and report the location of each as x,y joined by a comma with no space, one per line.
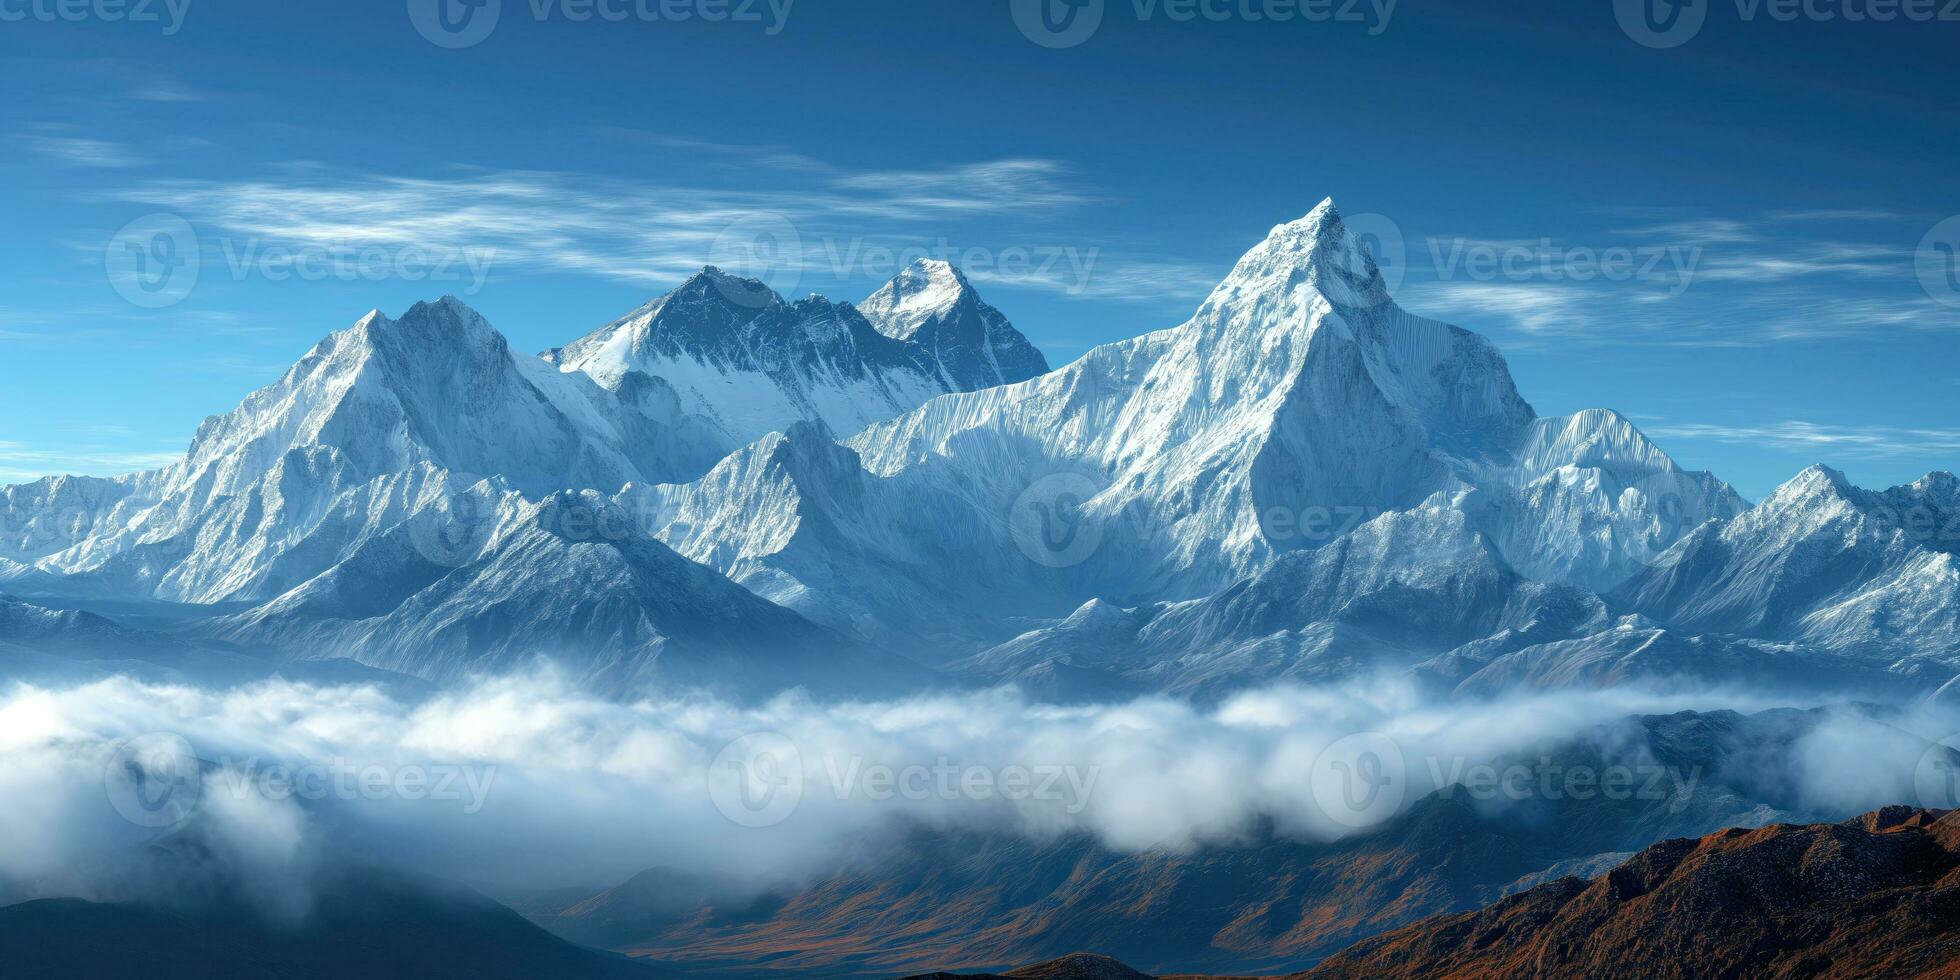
1401,588
724,360
796,518
394,415
439,386
373,424
1296,387
1590,501
1637,652
564,578
380,501
52,514
1298,402
1823,562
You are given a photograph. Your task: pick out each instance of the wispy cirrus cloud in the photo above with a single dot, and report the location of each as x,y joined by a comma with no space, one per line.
1840,441
1691,281
23,462
81,152
813,218
974,187
1086,274
1534,309
1839,214
1701,230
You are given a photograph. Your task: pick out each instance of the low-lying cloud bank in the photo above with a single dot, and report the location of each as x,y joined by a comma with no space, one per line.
523,782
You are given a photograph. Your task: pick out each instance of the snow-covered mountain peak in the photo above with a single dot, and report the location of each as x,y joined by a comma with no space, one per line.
436,385
931,306
1318,250
926,290
1938,483
444,323
1596,437
711,283
1817,484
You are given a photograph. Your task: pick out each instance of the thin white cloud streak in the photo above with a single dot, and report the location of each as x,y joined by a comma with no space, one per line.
1748,284
1840,214
21,463
1696,230
81,152
1041,184
1855,442
651,233
1535,309
1133,280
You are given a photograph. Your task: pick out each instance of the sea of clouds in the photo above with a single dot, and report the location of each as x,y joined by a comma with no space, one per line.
524,782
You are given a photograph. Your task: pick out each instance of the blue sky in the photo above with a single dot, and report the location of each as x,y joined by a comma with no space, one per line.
1740,241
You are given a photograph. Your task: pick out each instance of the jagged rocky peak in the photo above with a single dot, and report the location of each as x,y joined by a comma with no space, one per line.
700,318
931,305
713,285
1926,511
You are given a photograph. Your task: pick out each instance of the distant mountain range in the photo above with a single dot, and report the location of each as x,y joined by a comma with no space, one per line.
725,489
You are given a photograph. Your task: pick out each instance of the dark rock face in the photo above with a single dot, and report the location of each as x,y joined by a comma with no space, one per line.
1875,896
